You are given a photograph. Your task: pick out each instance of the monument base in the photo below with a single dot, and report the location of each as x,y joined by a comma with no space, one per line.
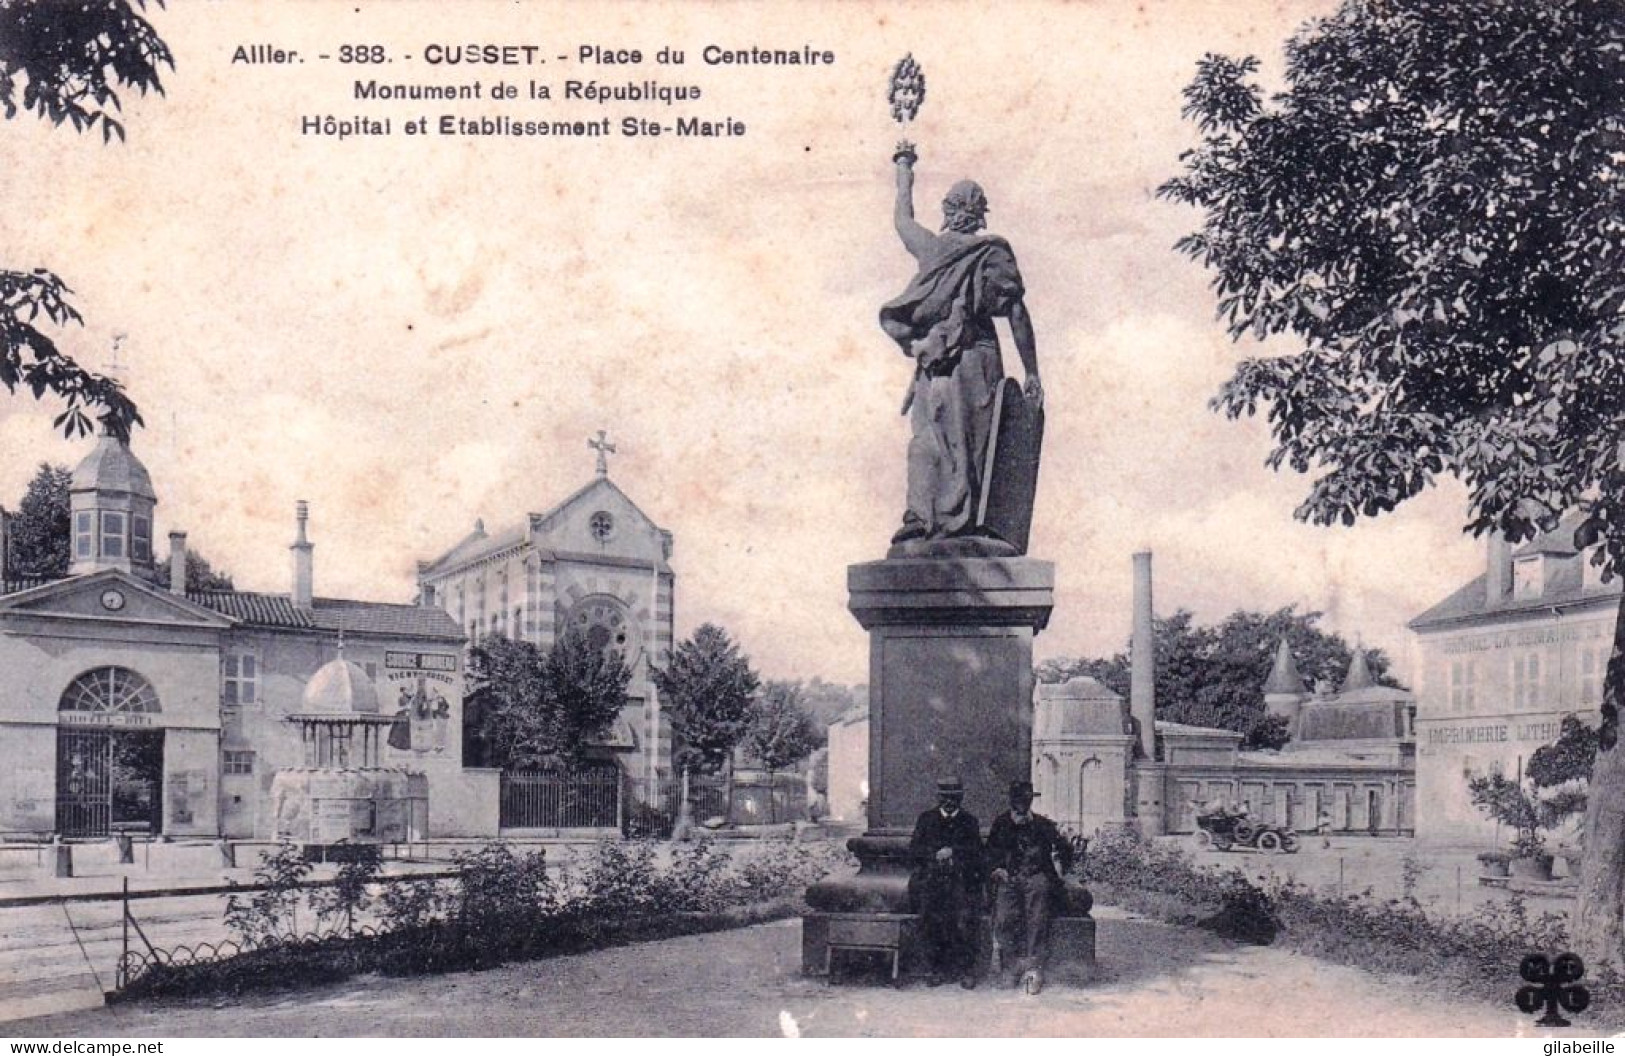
880,884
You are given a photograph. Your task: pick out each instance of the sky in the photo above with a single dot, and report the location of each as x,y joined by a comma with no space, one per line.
415,332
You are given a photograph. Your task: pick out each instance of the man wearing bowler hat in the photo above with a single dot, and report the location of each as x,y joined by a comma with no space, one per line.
946,884
1023,850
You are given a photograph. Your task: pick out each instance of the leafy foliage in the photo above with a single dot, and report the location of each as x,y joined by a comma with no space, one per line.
536,707
271,915
41,530
200,574
1214,676
337,907
1569,758
1467,954
1510,804
73,57
505,906
781,732
1431,211
42,536
707,689
71,60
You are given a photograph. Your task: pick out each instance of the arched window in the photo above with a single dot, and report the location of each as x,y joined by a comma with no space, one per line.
109,690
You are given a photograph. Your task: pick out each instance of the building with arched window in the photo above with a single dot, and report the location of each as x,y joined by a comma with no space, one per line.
128,705
594,563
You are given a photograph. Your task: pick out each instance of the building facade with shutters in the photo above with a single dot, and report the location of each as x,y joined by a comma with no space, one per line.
127,705
1501,662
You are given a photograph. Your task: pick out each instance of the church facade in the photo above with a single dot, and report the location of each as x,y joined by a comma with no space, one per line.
132,706
594,563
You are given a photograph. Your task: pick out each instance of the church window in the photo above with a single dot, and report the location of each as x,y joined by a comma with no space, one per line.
241,683
238,763
110,690
603,621
112,534
518,622
1528,576
1463,684
140,537
602,526
1591,669
1526,680
84,535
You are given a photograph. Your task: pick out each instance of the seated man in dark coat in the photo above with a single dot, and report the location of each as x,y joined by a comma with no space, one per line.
946,885
1022,852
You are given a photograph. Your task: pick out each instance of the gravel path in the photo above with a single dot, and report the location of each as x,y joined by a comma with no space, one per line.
1155,980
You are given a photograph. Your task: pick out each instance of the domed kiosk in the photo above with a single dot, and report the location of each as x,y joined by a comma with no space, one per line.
342,793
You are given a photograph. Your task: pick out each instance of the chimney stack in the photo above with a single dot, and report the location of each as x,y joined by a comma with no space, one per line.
1498,578
177,563
303,570
1143,658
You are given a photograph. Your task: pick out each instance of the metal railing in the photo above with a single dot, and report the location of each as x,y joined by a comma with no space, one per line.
589,798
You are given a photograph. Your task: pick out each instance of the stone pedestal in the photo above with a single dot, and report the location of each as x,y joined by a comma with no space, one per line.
950,679
950,692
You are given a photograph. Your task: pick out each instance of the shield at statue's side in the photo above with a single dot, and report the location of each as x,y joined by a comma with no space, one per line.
1012,466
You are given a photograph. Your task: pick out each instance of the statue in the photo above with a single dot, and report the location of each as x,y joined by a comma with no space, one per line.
972,460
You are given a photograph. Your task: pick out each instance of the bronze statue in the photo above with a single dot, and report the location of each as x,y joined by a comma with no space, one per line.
944,322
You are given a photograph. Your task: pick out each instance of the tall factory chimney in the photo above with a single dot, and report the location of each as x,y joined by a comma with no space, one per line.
1143,659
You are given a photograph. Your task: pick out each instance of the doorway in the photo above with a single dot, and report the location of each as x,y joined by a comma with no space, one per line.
109,780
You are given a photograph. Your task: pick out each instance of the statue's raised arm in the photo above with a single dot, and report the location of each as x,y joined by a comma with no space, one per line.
917,238
958,407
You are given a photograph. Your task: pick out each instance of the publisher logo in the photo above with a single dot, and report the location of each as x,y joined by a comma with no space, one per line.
1553,985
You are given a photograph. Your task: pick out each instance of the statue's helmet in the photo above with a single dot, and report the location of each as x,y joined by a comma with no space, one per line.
964,208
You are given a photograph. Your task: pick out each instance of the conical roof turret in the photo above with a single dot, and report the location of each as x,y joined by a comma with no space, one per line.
1359,674
1284,678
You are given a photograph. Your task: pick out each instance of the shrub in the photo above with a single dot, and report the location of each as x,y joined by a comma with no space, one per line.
271,915
1246,913
338,906
503,901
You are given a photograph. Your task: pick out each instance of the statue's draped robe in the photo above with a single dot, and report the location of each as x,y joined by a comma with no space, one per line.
944,320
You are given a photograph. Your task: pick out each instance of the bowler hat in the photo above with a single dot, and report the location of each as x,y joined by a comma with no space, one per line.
950,786
1022,790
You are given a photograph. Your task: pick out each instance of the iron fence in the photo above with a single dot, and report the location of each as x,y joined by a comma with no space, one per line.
137,959
585,798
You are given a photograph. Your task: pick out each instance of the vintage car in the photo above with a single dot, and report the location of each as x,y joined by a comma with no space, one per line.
1223,829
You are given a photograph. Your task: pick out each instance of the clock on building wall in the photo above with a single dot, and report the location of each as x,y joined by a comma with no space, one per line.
605,623
112,600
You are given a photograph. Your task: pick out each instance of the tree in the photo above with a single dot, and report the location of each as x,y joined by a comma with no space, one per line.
588,690
1214,676
41,534
537,707
71,59
1427,217
781,733
1561,771
826,701
200,574
707,690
